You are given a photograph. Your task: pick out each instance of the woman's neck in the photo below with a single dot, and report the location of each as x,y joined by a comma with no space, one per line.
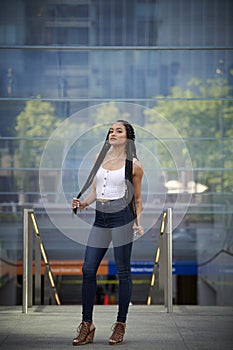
117,152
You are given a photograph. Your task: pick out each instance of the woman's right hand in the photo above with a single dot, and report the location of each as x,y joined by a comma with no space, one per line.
78,204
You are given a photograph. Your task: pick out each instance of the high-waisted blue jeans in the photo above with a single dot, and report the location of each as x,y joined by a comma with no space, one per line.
113,223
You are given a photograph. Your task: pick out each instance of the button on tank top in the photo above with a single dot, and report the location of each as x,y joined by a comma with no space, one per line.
110,184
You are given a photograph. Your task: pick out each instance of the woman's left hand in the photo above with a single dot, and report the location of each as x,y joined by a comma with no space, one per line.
138,230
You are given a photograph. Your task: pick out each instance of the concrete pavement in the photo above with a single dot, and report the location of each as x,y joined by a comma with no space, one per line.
148,327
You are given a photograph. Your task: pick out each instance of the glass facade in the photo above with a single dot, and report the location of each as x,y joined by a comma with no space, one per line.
172,58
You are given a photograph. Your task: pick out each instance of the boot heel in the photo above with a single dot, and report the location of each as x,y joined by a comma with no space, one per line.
90,336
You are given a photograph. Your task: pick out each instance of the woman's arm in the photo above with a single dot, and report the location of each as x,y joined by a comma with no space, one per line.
137,182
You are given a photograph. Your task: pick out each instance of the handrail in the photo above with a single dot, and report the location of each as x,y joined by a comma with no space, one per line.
30,223
164,250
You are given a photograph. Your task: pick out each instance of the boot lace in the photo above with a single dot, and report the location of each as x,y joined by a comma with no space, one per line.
118,332
83,330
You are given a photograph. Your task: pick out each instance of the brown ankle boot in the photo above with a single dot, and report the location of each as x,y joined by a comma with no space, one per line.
118,333
86,331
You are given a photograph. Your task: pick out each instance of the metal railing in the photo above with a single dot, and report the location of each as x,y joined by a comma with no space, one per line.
30,225
163,261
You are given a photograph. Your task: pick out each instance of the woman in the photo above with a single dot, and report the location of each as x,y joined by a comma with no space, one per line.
116,180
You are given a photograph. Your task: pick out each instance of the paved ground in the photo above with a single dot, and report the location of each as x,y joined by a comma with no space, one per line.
148,327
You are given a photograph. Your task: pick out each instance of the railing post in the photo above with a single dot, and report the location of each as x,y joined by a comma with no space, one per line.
30,259
164,256
25,259
37,272
168,249
164,263
161,263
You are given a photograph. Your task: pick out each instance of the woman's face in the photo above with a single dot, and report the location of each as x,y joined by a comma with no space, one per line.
117,134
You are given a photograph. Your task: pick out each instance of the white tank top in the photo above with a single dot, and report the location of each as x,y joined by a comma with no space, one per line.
110,184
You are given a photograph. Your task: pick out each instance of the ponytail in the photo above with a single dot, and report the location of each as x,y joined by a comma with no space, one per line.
130,155
94,170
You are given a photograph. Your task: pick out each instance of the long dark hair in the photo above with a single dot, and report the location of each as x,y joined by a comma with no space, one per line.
130,155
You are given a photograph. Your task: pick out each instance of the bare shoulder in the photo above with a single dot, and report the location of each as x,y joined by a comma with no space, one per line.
138,167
